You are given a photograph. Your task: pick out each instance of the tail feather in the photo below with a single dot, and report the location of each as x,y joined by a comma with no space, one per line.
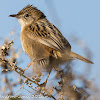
74,55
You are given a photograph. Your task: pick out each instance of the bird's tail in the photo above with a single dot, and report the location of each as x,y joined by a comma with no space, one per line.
74,55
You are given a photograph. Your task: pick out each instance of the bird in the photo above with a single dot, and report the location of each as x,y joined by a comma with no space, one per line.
42,41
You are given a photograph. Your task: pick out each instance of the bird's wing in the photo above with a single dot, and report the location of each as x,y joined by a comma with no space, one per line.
47,34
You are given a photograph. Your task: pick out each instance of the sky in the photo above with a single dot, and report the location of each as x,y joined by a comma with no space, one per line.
74,18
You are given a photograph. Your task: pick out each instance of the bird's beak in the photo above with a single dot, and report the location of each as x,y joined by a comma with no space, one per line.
15,15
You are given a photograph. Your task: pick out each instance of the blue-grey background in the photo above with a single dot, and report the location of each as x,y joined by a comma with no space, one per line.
79,18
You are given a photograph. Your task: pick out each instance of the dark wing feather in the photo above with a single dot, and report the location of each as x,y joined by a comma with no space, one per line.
47,34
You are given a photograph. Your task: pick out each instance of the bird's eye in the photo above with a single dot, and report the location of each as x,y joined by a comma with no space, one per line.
27,15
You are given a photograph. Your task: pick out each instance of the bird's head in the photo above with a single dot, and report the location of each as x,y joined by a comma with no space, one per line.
28,15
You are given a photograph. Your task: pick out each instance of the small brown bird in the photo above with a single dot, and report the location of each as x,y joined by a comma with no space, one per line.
42,41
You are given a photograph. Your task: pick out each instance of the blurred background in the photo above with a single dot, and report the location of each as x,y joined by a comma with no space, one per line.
78,21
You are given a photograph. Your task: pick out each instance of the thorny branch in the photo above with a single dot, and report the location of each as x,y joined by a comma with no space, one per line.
64,78
12,65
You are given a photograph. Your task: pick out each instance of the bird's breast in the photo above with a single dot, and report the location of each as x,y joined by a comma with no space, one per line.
27,45
34,49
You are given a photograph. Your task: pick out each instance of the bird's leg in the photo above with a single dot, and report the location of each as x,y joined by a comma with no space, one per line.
29,65
48,75
44,84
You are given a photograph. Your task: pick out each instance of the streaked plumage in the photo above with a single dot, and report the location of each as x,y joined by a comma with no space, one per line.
42,41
